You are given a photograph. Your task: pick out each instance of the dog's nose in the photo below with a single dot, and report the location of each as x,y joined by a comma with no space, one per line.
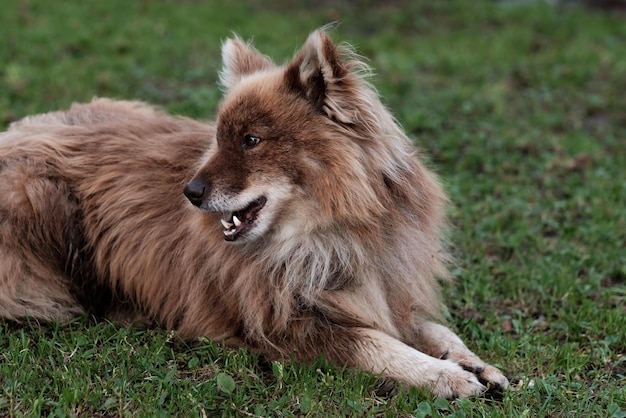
194,190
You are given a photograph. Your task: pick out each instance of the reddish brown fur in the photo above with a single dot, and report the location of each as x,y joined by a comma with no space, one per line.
344,258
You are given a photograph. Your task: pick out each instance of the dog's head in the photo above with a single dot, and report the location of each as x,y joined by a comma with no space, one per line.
298,147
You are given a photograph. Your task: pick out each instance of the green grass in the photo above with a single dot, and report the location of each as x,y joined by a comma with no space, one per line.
522,110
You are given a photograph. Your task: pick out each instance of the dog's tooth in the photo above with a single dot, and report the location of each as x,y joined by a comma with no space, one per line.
236,220
226,224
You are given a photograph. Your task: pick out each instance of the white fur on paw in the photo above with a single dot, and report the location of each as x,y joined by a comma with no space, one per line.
454,382
494,378
487,374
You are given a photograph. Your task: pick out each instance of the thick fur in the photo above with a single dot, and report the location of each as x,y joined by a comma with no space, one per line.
342,261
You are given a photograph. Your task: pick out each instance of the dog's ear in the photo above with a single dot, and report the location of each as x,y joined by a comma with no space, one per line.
239,59
327,76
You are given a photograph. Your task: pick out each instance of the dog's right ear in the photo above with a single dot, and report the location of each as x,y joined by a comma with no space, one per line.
239,59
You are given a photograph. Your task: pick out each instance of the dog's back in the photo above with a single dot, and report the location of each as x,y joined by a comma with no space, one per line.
74,184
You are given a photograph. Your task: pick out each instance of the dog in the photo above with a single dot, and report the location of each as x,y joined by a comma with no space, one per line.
301,223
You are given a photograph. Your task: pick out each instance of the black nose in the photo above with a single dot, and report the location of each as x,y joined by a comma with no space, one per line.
194,190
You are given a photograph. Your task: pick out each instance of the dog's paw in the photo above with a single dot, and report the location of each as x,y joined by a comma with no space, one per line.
492,378
453,382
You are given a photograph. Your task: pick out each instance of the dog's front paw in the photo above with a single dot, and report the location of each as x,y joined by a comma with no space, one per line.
492,378
452,381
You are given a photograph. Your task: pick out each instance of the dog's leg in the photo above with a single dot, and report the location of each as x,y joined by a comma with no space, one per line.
36,232
374,351
33,291
439,341
391,358
385,355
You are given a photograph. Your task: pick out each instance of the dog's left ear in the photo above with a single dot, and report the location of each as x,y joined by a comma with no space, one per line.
322,72
239,59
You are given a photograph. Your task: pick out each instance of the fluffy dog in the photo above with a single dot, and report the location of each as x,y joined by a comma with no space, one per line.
301,223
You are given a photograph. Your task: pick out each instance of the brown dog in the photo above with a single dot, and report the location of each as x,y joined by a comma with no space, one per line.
313,229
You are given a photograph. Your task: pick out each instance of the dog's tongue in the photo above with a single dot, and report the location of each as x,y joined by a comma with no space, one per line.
242,220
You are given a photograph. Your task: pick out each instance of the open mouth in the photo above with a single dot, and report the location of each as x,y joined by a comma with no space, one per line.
239,222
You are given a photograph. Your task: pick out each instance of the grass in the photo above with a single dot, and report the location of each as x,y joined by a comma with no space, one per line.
521,107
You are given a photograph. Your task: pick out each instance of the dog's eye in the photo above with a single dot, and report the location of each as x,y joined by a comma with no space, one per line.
251,141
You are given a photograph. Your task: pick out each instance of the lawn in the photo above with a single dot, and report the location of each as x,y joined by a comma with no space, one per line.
521,108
